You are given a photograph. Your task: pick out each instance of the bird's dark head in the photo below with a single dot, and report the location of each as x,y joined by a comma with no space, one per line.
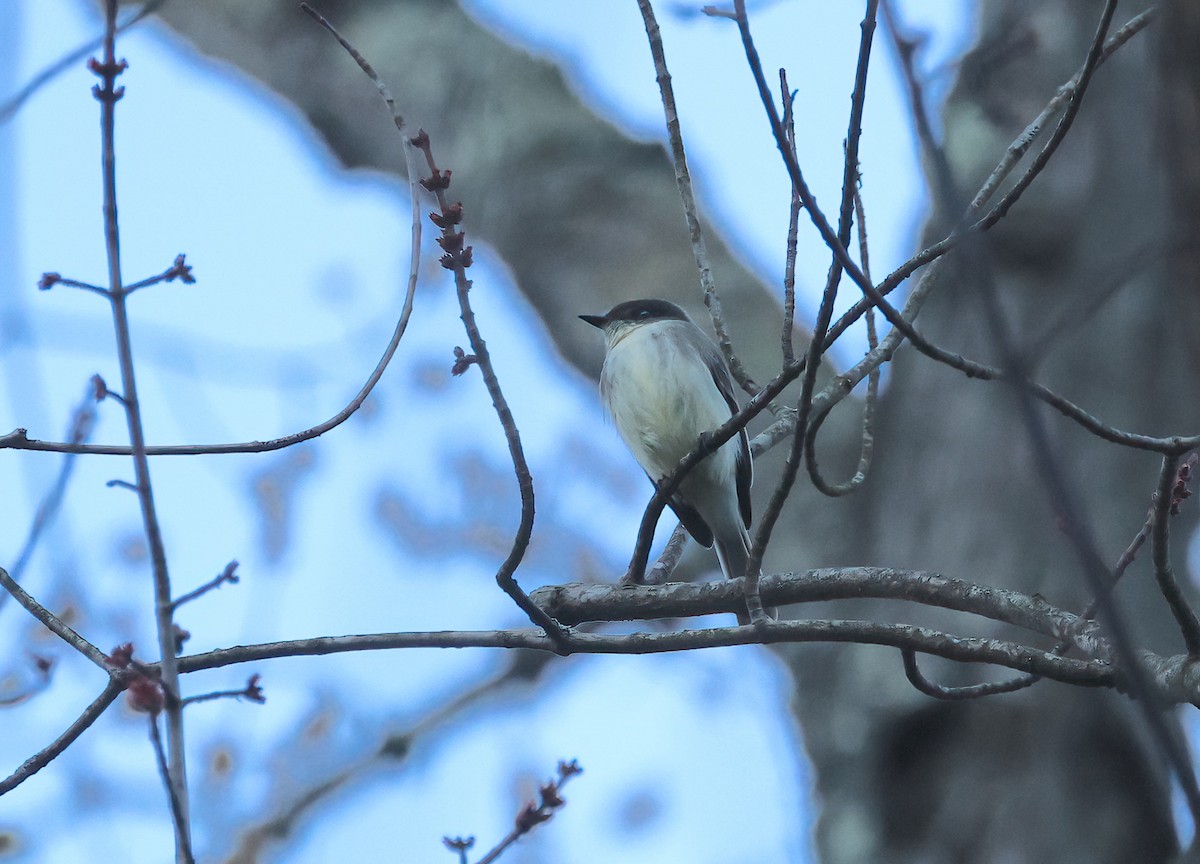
637,312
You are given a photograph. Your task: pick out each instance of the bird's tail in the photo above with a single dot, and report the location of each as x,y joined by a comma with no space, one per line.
734,557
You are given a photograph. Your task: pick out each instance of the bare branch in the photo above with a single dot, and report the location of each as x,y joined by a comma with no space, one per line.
397,744
867,447
1087,673
683,180
49,280
669,559
177,812
252,691
82,421
179,269
549,801
48,754
1166,502
578,603
955,694
67,62
783,489
789,266
457,258
108,94
53,623
229,574
1146,692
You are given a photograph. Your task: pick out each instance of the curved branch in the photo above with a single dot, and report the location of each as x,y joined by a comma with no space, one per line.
960,694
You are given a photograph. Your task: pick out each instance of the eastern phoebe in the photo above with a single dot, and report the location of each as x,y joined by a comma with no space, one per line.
665,383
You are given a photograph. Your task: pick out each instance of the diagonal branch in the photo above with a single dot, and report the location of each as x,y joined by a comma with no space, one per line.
50,752
683,180
53,623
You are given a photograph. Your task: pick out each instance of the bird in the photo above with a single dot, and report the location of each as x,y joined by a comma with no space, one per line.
666,384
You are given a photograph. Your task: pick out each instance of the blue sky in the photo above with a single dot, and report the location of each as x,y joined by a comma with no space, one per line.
690,753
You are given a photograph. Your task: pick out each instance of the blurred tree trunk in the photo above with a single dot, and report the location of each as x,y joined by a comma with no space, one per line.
1085,265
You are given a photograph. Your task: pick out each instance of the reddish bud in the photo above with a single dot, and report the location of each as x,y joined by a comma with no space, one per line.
438,180
462,361
122,655
99,388
48,281
146,695
452,216
451,242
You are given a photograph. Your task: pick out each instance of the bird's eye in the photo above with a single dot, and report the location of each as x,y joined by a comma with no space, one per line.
645,313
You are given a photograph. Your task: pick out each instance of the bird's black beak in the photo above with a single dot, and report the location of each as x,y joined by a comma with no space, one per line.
595,320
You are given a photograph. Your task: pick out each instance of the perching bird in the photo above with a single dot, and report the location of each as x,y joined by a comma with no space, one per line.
665,383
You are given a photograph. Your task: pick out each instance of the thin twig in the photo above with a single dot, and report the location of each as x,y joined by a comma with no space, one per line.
955,694
50,752
66,63
549,802
19,439
789,264
460,845
457,258
867,446
107,93
49,280
177,813
1069,96
662,569
252,691
179,269
683,180
397,745
82,422
1164,504
229,574
53,623
783,488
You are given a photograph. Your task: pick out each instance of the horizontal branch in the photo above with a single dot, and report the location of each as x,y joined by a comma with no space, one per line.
1088,673
576,603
